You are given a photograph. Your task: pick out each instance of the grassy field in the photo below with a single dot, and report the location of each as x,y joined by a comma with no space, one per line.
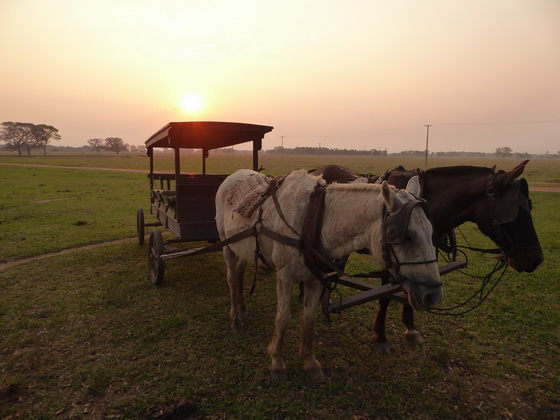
536,170
86,335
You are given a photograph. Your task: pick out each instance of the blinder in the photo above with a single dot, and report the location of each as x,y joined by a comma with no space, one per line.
396,224
505,209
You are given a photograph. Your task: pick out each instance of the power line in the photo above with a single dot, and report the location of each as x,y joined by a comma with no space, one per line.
381,130
504,123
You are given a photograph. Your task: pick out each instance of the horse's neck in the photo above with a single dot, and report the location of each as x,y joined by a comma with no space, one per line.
453,200
346,230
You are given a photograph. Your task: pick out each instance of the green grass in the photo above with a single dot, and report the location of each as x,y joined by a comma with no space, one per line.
86,335
44,210
536,170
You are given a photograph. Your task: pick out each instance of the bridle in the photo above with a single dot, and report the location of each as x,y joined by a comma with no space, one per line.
504,209
395,231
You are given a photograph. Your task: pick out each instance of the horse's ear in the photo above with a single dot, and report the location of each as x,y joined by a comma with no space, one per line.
413,186
507,178
518,170
389,196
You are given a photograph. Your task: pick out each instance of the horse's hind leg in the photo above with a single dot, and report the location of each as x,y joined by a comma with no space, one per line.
284,287
311,366
235,270
411,334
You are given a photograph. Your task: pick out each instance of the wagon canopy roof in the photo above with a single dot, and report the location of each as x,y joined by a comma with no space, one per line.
206,134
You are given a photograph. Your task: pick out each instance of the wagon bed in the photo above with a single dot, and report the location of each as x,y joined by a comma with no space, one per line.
188,210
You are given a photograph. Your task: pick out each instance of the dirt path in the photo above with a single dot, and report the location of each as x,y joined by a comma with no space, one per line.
544,186
10,264
74,167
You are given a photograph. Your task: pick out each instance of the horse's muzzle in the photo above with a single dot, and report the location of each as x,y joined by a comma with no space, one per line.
526,260
422,297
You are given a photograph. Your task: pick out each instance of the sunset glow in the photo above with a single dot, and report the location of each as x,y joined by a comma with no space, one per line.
364,74
191,104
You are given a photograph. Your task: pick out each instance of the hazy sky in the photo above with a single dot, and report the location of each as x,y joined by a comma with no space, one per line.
352,74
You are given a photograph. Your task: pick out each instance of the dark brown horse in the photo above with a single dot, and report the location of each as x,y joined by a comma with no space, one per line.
498,202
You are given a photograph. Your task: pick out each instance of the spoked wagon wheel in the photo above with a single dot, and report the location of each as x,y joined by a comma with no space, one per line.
157,263
140,226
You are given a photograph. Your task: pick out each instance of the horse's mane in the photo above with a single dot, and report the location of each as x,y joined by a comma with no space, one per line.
458,170
358,186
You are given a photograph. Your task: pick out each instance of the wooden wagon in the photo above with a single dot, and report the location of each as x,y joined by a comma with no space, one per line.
183,203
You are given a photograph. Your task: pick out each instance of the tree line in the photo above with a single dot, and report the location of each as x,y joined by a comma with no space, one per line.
114,144
325,151
24,137
499,152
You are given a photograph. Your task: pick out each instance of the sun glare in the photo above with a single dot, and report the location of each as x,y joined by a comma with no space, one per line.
191,104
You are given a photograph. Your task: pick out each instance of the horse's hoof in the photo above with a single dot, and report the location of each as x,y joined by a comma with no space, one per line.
382,348
237,326
413,336
315,374
279,375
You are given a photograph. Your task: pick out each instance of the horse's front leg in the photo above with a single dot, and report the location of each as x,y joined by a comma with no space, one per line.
312,295
235,271
381,344
284,287
411,333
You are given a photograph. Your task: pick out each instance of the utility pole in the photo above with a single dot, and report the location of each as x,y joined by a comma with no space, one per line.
427,138
282,137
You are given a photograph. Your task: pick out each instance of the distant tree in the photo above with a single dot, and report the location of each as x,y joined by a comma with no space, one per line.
44,133
96,144
27,136
115,144
18,136
141,150
375,152
503,151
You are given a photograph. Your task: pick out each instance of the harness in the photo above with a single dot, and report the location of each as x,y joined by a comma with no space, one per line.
395,228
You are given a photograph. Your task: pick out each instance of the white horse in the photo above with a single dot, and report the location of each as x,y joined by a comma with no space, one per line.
352,221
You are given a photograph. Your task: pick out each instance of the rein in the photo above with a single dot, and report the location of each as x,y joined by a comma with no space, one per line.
482,292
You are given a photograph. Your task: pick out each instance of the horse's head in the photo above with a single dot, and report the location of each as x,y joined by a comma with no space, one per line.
506,218
408,251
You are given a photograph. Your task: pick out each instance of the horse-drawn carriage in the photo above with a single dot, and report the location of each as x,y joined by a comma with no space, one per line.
182,202
277,232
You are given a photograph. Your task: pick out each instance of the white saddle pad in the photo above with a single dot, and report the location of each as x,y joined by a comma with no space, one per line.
248,194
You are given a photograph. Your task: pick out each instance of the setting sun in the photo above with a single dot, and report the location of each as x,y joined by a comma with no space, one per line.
191,104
